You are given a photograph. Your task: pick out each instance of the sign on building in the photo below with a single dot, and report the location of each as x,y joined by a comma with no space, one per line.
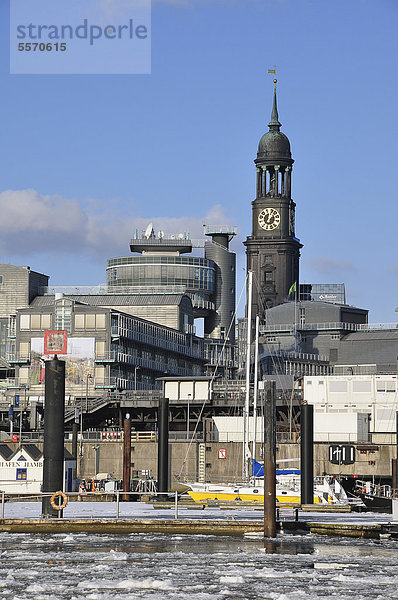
342,455
55,342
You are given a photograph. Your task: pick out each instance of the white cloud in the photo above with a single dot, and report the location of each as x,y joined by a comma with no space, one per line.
326,264
33,223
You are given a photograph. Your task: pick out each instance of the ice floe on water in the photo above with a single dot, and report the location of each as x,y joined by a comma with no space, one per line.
114,555
102,567
173,567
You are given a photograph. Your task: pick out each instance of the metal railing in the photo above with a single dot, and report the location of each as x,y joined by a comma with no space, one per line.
377,326
18,357
338,325
300,356
116,435
15,384
221,229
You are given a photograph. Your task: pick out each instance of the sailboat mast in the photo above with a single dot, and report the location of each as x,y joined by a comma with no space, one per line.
255,391
246,451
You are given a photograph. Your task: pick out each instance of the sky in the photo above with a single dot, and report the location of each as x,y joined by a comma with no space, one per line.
88,160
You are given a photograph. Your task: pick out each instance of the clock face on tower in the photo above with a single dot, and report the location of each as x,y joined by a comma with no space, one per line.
269,219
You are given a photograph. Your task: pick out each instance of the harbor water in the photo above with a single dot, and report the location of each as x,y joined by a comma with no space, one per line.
155,566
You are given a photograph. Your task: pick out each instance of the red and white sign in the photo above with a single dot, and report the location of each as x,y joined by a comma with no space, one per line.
222,453
14,438
55,342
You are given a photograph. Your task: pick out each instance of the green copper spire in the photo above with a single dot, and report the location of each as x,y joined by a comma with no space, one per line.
274,124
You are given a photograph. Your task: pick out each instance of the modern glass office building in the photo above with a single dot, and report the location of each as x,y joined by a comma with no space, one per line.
192,273
209,281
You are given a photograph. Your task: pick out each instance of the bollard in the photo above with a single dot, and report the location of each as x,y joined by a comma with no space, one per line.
307,454
163,448
53,446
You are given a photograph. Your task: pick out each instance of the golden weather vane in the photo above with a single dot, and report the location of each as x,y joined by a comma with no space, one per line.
274,72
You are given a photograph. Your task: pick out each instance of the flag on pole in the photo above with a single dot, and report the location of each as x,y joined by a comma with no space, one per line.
292,288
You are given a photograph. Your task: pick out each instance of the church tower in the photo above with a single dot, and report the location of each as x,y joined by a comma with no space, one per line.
272,250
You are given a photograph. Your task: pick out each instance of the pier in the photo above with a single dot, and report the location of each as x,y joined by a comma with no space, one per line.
221,520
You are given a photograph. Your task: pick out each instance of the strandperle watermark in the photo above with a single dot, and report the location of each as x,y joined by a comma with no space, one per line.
85,31
71,37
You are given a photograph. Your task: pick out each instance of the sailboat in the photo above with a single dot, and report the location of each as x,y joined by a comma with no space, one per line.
287,489
252,488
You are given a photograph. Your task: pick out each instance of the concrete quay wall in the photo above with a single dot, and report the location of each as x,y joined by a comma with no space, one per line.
185,460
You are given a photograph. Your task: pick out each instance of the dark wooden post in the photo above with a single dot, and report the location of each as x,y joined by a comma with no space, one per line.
269,461
307,454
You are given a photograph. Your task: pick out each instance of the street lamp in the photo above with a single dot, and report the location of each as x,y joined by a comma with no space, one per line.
89,376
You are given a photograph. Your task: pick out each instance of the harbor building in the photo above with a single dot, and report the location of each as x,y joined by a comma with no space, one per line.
105,350
21,469
159,266
320,338
354,408
18,288
126,334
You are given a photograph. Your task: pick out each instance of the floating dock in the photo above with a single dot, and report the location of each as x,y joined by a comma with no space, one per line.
126,526
225,527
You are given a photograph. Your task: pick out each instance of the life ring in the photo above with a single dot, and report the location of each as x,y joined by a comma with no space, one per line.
54,497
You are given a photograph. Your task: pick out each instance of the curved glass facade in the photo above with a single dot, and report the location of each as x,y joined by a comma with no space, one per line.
194,273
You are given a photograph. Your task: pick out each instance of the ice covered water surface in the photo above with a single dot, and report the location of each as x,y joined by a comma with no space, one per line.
101,567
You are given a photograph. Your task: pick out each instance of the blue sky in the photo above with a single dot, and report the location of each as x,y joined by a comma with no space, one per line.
85,160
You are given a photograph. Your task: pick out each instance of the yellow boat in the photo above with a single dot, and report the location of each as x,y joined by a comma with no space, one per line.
203,492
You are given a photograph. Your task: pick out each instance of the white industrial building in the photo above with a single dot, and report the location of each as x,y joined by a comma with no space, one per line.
353,408
21,470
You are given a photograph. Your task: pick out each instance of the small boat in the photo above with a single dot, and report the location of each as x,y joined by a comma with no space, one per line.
375,497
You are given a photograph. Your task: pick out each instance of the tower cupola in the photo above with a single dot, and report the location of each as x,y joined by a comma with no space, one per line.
274,144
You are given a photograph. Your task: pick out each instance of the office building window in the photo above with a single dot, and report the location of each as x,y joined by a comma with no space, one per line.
24,322
90,321
36,322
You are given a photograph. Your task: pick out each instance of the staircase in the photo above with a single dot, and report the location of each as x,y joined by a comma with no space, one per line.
94,404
